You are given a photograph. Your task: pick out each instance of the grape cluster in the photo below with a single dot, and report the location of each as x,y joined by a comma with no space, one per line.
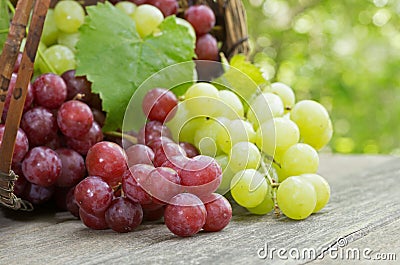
56,132
153,178
60,32
267,147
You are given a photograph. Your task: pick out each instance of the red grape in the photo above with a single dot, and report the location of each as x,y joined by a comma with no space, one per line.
167,151
28,100
50,90
73,168
186,215
74,118
86,141
201,17
151,131
219,212
139,154
203,174
41,166
93,221
37,194
159,104
191,150
40,125
21,146
123,215
163,184
106,160
131,183
207,48
93,194
17,63
167,7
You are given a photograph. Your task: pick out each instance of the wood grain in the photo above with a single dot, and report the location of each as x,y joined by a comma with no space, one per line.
365,197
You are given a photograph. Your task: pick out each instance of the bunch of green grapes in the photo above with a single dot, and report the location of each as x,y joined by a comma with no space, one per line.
267,147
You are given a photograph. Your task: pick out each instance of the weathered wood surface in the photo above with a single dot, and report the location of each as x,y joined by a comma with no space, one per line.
364,211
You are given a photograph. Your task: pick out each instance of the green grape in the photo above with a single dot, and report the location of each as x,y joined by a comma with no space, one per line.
42,47
230,105
299,159
187,132
264,207
126,7
249,188
69,16
312,119
244,155
227,174
68,39
50,30
286,93
147,19
182,22
275,136
178,121
264,107
296,198
322,189
205,138
236,131
202,99
319,140
60,57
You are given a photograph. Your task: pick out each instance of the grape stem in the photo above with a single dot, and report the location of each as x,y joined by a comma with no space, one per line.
271,158
48,65
125,136
11,7
274,185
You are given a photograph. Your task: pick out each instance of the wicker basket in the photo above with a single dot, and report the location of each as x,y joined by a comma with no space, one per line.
230,30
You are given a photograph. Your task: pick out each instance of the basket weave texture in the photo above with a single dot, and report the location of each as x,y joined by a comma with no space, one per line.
230,30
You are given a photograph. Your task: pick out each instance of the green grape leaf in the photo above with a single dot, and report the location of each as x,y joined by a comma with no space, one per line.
4,23
117,61
241,76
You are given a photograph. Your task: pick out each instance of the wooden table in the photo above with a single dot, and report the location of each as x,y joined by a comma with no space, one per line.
364,212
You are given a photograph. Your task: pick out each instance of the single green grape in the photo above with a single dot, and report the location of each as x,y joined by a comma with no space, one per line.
235,131
205,137
249,188
231,106
313,121
264,107
244,155
299,159
147,19
50,31
322,189
286,93
227,174
266,206
182,22
126,7
69,16
60,57
275,136
42,47
178,121
296,198
68,39
202,99
319,139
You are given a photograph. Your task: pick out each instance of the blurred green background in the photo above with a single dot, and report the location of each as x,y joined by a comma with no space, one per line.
343,53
